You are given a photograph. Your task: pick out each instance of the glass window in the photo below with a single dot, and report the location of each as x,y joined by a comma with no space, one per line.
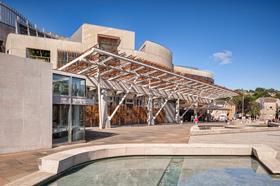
39,54
60,123
108,43
63,57
78,125
78,87
61,85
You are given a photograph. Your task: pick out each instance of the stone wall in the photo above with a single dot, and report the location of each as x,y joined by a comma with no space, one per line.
25,104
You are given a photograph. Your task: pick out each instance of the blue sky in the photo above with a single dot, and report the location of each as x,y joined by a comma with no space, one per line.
237,40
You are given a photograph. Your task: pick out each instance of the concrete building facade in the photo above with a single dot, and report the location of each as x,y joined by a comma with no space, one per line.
75,97
95,77
64,50
26,104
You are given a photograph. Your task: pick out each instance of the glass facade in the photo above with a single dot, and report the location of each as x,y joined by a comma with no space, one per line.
61,85
78,87
60,123
78,125
68,118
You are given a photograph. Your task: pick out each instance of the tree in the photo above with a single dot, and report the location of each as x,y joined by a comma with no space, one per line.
260,92
251,107
254,109
277,95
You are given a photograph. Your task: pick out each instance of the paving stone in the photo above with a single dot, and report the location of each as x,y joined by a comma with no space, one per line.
17,165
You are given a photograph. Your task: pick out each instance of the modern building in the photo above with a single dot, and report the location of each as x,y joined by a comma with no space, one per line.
100,79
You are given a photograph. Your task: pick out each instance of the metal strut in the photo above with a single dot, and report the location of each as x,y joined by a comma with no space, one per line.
165,102
120,103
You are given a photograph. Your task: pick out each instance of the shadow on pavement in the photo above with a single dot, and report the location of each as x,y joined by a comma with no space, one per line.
95,135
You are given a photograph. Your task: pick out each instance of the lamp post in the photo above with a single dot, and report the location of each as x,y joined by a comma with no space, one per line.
242,103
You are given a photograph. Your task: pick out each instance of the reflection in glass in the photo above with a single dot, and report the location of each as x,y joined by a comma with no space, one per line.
78,87
78,127
60,123
61,126
60,85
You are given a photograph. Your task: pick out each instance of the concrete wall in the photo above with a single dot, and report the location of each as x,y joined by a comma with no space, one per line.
193,71
26,104
268,111
86,37
90,32
17,44
156,53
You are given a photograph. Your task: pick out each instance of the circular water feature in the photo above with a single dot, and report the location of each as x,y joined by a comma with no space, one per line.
167,170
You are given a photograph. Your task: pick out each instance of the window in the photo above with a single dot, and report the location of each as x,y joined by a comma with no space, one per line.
64,57
108,43
78,123
78,87
61,85
39,54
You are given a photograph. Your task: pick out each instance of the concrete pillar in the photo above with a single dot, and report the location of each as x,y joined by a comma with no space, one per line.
102,105
170,112
151,120
103,115
177,110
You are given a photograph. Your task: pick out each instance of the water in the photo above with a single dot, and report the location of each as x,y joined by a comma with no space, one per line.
168,170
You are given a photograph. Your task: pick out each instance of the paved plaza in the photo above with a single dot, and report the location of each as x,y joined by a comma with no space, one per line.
17,165
270,138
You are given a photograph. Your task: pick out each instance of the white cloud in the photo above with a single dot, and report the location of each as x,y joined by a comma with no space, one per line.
224,57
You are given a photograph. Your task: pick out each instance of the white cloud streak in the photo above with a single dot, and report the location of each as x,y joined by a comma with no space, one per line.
223,57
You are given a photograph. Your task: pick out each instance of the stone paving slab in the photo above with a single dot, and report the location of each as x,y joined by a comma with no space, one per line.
16,165
270,138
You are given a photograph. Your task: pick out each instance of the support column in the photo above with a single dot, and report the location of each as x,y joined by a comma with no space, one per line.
70,113
151,120
16,25
28,29
104,110
102,103
70,124
195,113
177,110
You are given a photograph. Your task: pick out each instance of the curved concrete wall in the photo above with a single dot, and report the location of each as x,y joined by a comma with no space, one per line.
195,72
156,53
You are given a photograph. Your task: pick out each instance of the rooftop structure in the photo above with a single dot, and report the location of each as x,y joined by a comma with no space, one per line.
11,21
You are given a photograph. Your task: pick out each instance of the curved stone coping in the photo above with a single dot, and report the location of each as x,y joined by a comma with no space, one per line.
56,163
